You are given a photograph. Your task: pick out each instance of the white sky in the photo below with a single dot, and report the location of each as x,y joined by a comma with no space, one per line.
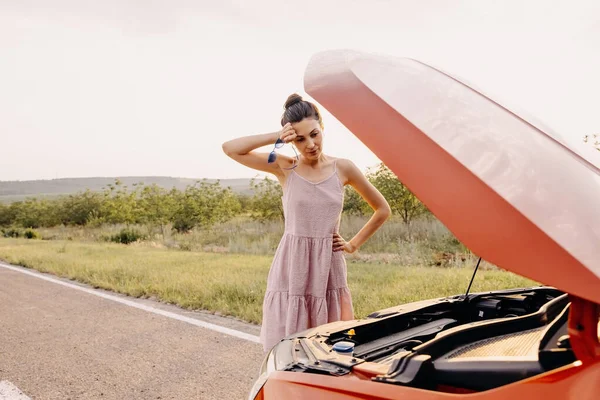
133,87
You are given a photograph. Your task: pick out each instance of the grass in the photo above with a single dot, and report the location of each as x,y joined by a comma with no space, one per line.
425,242
233,284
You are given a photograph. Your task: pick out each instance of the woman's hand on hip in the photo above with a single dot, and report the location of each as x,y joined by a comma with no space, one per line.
340,244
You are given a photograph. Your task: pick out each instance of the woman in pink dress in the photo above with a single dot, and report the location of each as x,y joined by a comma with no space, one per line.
307,283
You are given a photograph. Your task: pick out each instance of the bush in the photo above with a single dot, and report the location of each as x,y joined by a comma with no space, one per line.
31,234
19,233
127,236
182,225
7,215
266,203
203,205
11,233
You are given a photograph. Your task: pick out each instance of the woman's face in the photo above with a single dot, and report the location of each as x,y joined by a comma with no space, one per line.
309,138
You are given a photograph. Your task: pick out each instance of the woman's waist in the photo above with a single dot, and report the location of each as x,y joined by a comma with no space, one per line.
323,227
308,234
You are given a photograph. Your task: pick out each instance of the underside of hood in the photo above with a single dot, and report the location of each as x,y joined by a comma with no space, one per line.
511,192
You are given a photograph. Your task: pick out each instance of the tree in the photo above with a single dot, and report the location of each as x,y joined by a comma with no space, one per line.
33,213
7,215
354,203
120,206
266,202
593,140
204,205
401,200
79,208
158,206
245,202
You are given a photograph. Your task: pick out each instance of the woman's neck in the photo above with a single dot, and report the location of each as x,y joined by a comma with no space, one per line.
314,163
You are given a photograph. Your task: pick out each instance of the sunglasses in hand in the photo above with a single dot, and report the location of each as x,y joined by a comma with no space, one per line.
273,156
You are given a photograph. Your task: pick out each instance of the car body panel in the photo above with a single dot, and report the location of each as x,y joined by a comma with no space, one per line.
514,193
510,192
573,382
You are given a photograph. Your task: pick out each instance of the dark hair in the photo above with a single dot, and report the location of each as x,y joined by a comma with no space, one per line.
297,109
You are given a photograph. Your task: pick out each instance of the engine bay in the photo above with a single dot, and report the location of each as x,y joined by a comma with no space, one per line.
459,344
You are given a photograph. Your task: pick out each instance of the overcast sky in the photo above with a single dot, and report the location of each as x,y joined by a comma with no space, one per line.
123,87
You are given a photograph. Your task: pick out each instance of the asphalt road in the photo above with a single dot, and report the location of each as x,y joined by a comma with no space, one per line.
58,342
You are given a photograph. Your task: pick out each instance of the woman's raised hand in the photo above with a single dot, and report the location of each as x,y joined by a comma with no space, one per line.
287,133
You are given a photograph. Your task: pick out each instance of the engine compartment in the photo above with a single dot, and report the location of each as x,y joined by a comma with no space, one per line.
468,343
377,340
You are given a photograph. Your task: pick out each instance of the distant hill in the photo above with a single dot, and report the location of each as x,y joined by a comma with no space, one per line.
19,190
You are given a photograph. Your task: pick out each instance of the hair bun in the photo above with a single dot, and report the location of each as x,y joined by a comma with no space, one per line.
292,99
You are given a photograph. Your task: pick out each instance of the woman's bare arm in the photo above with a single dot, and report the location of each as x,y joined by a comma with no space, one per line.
373,197
241,150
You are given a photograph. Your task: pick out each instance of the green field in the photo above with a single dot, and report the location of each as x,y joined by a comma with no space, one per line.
232,284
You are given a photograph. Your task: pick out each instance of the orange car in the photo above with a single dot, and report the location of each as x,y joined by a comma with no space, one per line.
515,194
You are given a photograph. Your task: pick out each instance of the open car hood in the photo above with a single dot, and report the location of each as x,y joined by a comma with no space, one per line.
514,194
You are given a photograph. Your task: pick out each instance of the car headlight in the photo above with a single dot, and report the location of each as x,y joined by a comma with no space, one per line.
277,359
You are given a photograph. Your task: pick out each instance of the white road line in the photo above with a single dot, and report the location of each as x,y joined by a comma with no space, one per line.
202,324
8,391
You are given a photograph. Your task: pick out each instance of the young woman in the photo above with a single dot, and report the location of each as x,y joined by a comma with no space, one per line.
307,283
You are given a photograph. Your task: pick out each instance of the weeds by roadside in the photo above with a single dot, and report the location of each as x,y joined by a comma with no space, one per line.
425,242
233,284
20,233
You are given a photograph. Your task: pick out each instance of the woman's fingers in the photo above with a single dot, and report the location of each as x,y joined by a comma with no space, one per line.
338,242
286,132
286,127
288,136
